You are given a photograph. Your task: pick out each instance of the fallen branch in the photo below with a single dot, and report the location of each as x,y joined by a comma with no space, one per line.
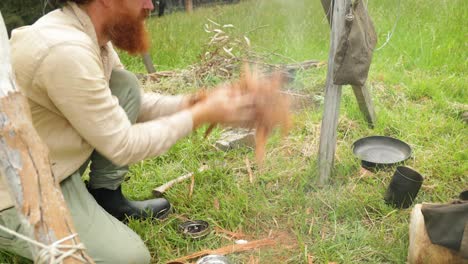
235,248
160,74
159,191
304,65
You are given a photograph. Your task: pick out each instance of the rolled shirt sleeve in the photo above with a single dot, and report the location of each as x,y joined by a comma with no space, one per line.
82,95
154,105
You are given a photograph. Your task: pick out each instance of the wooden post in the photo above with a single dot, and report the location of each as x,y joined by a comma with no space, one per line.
148,63
25,166
335,11
361,92
189,6
332,98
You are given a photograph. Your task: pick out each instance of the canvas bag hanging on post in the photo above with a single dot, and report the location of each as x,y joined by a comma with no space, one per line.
355,47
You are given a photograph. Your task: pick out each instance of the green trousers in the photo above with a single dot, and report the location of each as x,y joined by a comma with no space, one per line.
107,240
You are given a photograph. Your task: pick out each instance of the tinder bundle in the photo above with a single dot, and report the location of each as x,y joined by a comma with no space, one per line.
271,106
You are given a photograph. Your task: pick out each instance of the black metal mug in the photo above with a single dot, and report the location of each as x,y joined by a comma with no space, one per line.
464,195
403,187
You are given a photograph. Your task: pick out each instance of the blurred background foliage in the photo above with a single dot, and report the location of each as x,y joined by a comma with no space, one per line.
17,13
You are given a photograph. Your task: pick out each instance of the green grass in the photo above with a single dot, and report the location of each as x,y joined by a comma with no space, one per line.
418,84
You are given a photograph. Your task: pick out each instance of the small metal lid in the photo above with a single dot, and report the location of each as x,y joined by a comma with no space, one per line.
195,229
213,259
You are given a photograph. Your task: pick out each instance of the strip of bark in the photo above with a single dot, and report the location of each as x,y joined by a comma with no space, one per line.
235,248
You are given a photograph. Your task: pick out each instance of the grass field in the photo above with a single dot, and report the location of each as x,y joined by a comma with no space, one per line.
418,84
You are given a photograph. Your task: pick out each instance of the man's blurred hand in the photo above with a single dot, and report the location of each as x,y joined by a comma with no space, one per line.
224,106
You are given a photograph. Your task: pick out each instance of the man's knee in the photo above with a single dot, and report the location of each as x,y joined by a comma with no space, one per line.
125,86
11,243
135,253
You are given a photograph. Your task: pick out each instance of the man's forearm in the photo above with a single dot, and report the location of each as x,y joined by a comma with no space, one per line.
155,105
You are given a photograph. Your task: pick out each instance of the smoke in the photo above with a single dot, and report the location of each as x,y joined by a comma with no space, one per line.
297,19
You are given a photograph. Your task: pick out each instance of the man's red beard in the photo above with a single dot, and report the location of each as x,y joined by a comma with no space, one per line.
129,33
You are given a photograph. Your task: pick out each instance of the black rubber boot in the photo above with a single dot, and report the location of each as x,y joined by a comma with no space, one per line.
118,206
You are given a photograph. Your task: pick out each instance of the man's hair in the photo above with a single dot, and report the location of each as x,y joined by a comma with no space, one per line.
76,1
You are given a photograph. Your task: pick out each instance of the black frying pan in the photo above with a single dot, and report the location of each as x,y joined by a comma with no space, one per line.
380,151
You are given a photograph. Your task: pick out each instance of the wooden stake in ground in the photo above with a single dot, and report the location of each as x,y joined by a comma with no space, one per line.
25,166
189,6
148,63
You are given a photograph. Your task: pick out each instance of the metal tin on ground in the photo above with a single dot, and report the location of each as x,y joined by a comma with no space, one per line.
213,259
195,229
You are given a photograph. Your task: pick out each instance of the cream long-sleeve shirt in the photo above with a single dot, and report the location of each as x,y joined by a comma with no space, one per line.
65,74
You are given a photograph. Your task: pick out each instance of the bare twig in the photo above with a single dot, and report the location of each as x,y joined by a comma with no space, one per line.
249,170
216,204
231,234
257,28
159,191
192,185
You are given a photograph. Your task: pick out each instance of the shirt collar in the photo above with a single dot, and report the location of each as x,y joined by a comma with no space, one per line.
88,28
84,19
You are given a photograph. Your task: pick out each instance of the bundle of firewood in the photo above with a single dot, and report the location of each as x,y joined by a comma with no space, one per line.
271,106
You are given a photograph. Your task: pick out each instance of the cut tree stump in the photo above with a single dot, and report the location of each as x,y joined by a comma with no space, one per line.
25,166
